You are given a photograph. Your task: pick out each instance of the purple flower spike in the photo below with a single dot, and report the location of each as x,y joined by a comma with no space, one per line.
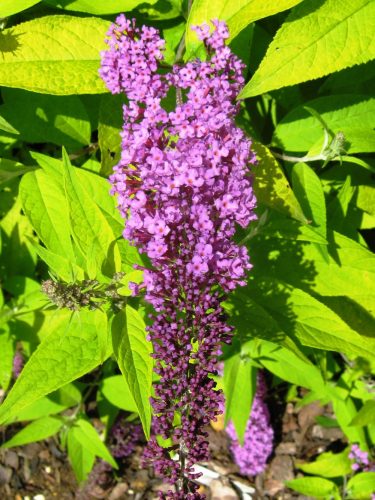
182,184
252,456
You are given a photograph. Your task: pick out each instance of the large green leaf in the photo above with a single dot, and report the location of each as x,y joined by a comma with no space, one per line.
239,389
132,351
287,366
317,487
316,39
272,187
36,431
116,390
237,14
54,403
81,459
10,169
366,414
251,320
348,113
54,55
6,359
309,191
345,410
90,229
328,465
86,434
98,7
349,270
10,7
62,120
71,348
17,255
110,125
361,486
307,320
44,203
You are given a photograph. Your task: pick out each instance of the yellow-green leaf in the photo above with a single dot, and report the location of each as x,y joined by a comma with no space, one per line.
272,187
238,15
54,55
317,38
10,7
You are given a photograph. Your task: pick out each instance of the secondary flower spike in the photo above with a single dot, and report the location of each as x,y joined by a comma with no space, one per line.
182,184
251,457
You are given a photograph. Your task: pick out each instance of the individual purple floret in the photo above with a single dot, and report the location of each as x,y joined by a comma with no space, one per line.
182,185
252,456
360,459
18,363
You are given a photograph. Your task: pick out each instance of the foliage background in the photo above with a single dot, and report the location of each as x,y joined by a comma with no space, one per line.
307,313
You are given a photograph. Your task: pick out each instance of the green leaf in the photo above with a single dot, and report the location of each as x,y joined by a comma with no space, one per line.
86,434
132,352
10,169
307,320
253,321
17,255
349,270
57,401
81,459
62,120
63,268
345,410
97,188
338,207
172,36
116,390
71,349
287,366
10,7
239,389
54,55
366,414
315,40
283,228
309,192
6,358
7,127
110,125
89,227
44,203
298,130
328,465
98,7
316,487
361,486
271,186
36,431
237,14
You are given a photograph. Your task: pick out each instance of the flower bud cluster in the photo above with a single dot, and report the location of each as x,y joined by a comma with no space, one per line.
182,185
86,293
251,457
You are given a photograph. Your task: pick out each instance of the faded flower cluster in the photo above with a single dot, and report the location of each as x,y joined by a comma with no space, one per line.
251,457
182,184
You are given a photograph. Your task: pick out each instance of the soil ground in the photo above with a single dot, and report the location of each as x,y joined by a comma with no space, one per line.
41,471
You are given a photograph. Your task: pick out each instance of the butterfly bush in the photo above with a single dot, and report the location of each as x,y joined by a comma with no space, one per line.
182,185
251,457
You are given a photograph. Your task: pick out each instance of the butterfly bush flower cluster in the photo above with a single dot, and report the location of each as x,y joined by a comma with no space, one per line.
361,461
182,184
251,457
